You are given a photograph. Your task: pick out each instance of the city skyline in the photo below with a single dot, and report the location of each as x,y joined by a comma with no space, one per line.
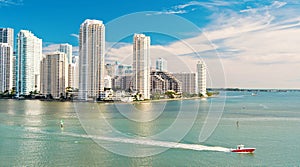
246,36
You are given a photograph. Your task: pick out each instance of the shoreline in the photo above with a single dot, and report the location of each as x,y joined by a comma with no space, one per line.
120,102
160,100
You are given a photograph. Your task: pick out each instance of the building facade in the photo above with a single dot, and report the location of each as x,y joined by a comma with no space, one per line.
122,83
201,75
161,64
162,81
28,59
7,36
141,64
54,74
188,82
91,59
71,71
118,69
76,72
67,49
6,67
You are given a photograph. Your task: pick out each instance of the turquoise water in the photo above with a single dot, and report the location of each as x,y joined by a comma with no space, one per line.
30,134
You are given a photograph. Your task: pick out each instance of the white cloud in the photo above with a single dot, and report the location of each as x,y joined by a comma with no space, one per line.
75,35
167,12
259,48
10,2
209,5
50,48
275,5
181,9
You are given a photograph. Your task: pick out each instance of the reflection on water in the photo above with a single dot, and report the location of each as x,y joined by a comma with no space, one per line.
141,112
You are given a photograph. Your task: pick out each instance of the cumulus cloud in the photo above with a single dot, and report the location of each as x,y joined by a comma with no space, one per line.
253,44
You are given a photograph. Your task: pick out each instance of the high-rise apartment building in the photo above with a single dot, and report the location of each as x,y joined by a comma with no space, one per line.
91,59
6,67
28,59
67,49
188,82
201,75
161,64
76,72
162,81
7,36
141,64
54,74
6,59
71,71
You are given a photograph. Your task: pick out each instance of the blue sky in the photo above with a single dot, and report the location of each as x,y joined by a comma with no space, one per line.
253,44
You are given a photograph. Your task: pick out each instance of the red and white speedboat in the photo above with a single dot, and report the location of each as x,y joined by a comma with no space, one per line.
242,149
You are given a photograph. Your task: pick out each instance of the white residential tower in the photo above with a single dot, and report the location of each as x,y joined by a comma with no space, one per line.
201,74
28,59
141,64
91,59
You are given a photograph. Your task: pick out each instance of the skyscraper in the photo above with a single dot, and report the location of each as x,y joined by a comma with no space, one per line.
29,55
6,58
141,64
67,49
71,71
7,36
91,59
161,64
54,74
6,67
76,72
201,72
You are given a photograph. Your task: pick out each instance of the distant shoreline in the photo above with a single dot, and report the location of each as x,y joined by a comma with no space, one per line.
142,101
167,99
253,90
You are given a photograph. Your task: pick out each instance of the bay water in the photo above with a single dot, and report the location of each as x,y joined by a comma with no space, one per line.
30,133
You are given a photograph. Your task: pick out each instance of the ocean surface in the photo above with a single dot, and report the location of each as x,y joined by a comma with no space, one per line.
110,134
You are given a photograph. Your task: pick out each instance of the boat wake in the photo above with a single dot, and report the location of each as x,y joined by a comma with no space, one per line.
141,141
135,141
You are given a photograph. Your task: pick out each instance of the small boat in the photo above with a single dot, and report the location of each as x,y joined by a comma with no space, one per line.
61,124
253,94
242,149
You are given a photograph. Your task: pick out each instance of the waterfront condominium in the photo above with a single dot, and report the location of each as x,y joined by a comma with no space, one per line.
67,49
201,74
54,74
161,64
6,67
75,72
6,59
28,59
91,59
7,36
188,81
141,64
